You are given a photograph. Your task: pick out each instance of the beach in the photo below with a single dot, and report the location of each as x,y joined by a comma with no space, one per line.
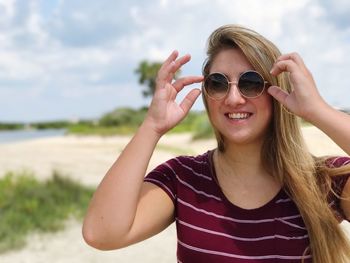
86,159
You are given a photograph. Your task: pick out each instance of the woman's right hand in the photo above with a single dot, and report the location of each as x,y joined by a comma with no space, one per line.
122,210
164,112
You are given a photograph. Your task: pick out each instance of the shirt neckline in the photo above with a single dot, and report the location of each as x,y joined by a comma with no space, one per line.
264,208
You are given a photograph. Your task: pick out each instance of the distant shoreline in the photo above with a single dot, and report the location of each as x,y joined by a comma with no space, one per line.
24,135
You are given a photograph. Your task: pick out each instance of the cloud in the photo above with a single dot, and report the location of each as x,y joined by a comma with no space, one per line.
76,55
77,24
337,12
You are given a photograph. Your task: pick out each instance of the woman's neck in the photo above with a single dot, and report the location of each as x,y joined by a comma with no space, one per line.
248,153
243,179
242,159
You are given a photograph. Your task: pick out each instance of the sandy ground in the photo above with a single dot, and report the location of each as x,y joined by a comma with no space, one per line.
87,159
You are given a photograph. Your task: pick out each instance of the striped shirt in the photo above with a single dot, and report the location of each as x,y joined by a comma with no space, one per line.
212,229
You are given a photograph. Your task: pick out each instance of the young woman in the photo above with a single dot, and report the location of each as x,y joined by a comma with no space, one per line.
260,196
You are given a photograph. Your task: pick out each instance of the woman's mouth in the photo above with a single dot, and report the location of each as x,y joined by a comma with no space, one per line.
239,115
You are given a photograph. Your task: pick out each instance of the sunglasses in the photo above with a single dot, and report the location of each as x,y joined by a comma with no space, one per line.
250,84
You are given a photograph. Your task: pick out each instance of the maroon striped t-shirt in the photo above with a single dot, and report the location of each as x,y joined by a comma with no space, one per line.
212,229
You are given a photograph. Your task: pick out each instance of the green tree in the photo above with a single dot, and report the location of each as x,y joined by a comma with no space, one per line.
147,72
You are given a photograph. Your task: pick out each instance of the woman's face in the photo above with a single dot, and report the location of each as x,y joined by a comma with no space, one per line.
238,119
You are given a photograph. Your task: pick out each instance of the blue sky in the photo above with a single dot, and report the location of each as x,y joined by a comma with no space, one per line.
69,59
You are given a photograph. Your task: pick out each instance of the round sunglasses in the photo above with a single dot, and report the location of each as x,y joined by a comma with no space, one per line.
250,84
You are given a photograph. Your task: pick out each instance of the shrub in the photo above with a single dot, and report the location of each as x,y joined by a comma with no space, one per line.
123,116
202,128
28,205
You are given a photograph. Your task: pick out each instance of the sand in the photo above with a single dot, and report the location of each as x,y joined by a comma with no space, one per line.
87,159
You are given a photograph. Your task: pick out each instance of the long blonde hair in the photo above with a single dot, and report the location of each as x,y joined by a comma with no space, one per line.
285,155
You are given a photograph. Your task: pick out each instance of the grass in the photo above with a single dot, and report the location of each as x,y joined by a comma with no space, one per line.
28,205
101,130
126,122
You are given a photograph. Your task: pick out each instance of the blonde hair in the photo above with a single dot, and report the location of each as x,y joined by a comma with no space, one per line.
305,178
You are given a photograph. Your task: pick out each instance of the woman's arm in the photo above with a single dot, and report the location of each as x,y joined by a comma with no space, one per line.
124,209
306,102
334,123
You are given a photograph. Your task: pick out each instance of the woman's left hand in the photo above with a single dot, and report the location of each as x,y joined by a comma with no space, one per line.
304,98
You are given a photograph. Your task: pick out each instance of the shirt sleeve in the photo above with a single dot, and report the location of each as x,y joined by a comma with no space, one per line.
164,176
338,184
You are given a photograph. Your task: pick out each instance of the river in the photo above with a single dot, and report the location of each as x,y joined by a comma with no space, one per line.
23,135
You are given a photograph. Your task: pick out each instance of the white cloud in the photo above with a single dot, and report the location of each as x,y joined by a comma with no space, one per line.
68,50
7,8
15,67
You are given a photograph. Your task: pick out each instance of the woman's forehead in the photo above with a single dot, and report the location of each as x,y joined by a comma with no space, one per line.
230,61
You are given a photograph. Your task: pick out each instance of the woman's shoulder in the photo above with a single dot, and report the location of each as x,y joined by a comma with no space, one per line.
333,171
338,171
190,160
337,161
185,162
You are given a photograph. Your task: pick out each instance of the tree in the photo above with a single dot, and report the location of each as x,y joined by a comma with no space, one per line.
147,72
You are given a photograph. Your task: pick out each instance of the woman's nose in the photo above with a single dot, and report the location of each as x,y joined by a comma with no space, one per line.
234,97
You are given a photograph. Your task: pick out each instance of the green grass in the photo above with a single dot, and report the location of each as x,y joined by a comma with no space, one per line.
198,125
101,131
28,205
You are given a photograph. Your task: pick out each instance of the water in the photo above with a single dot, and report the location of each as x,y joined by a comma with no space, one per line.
24,135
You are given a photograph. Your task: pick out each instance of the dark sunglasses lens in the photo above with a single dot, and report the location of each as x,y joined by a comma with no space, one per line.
251,84
216,85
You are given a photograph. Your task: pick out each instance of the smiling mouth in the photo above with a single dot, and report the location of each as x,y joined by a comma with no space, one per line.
239,116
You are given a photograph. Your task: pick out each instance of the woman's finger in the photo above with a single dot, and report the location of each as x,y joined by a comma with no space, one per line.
180,83
284,66
294,57
189,100
177,65
167,71
170,59
166,68
279,94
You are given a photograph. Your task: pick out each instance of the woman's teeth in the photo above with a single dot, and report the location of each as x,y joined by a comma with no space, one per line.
239,116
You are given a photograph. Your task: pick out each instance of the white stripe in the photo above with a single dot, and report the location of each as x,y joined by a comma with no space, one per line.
238,220
346,162
290,224
194,159
168,165
198,191
283,200
337,158
219,253
334,161
186,184
194,172
239,238
151,180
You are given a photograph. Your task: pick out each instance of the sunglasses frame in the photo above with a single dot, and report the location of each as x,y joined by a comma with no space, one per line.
234,82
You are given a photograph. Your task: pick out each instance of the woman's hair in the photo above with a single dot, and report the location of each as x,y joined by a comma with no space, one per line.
285,155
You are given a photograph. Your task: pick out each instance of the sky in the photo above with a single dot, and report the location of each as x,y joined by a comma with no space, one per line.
76,59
